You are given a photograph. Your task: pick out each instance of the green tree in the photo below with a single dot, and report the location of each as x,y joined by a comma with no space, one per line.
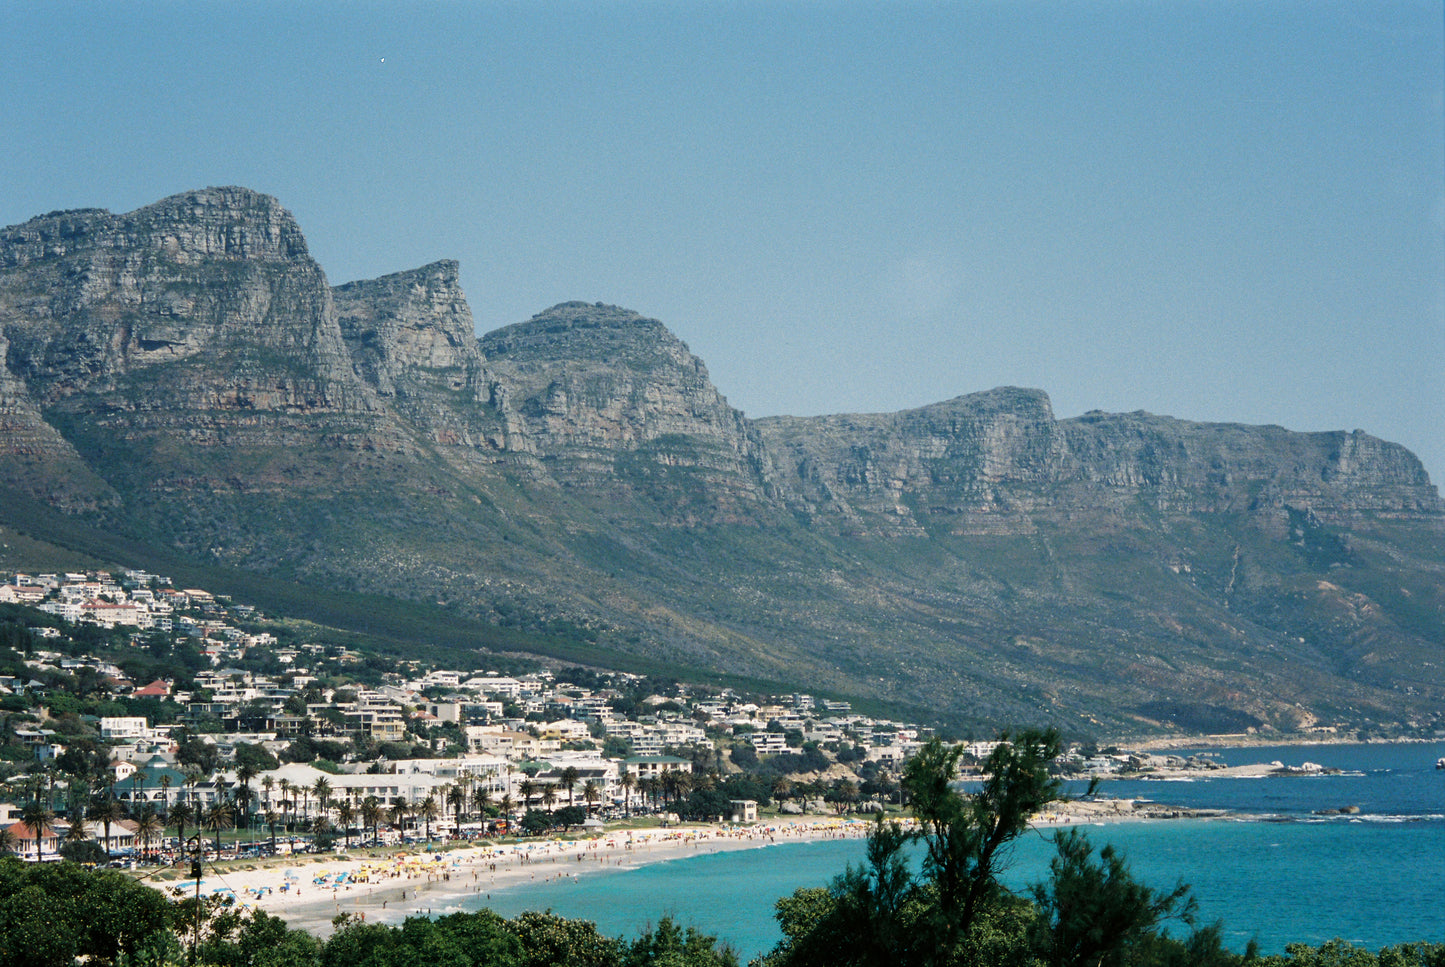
237,938
246,771
547,940
52,914
322,791
82,850
569,778
481,800
1094,913
456,798
965,838
36,816
1339,953
179,815
591,793
428,810
107,812
346,815
955,912
149,827
670,945
219,818
628,782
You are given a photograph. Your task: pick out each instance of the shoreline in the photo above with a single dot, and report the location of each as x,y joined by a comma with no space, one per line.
1248,741
308,892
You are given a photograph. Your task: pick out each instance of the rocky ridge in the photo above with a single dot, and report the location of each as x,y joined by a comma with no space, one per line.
592,390
187,370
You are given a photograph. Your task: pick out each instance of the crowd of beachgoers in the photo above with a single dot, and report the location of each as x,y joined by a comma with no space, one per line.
308,891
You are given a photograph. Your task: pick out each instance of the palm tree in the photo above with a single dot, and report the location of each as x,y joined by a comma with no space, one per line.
288,802
245,772
549,796
270,816
244,797
456,797
569,778
165,793
628,782
591,792
654,790
77,833
148,826
219,818
179,815
345,815
527,788
371,815
507,806
108,811
322,791
76,790
399,811
782,788
267,782
36,816
191,781
428,810
136,779
481,798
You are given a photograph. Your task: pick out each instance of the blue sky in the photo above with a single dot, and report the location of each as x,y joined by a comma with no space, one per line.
1228,211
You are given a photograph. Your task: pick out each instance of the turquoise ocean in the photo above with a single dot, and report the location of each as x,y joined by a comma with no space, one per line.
1285,874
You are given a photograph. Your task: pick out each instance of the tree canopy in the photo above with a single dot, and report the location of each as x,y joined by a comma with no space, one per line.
952,910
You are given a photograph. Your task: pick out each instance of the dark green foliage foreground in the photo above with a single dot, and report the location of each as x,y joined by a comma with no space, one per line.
951,912
61,914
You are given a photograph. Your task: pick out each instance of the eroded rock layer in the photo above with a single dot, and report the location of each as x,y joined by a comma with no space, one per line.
185,372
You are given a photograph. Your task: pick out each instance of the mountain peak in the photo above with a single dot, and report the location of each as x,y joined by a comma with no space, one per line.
597,333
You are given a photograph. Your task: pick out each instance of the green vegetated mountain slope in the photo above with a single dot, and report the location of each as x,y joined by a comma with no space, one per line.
183,378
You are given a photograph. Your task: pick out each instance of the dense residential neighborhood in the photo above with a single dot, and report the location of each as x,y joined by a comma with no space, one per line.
131,707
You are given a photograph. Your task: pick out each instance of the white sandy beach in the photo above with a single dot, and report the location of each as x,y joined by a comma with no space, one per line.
308,891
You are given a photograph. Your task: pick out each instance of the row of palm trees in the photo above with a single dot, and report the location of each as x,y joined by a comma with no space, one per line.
469,798
38,818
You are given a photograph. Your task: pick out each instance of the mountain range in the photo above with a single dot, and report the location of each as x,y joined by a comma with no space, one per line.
184,377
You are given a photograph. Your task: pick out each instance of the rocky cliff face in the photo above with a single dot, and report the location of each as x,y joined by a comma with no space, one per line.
411,333
184,374
91,298
605,398
412,341
34,458
976,458
997,462
191,344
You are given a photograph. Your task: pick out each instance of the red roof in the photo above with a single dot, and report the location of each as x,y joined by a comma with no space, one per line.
156,689
25,833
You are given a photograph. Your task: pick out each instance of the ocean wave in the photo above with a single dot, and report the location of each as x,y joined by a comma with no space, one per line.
1393,819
